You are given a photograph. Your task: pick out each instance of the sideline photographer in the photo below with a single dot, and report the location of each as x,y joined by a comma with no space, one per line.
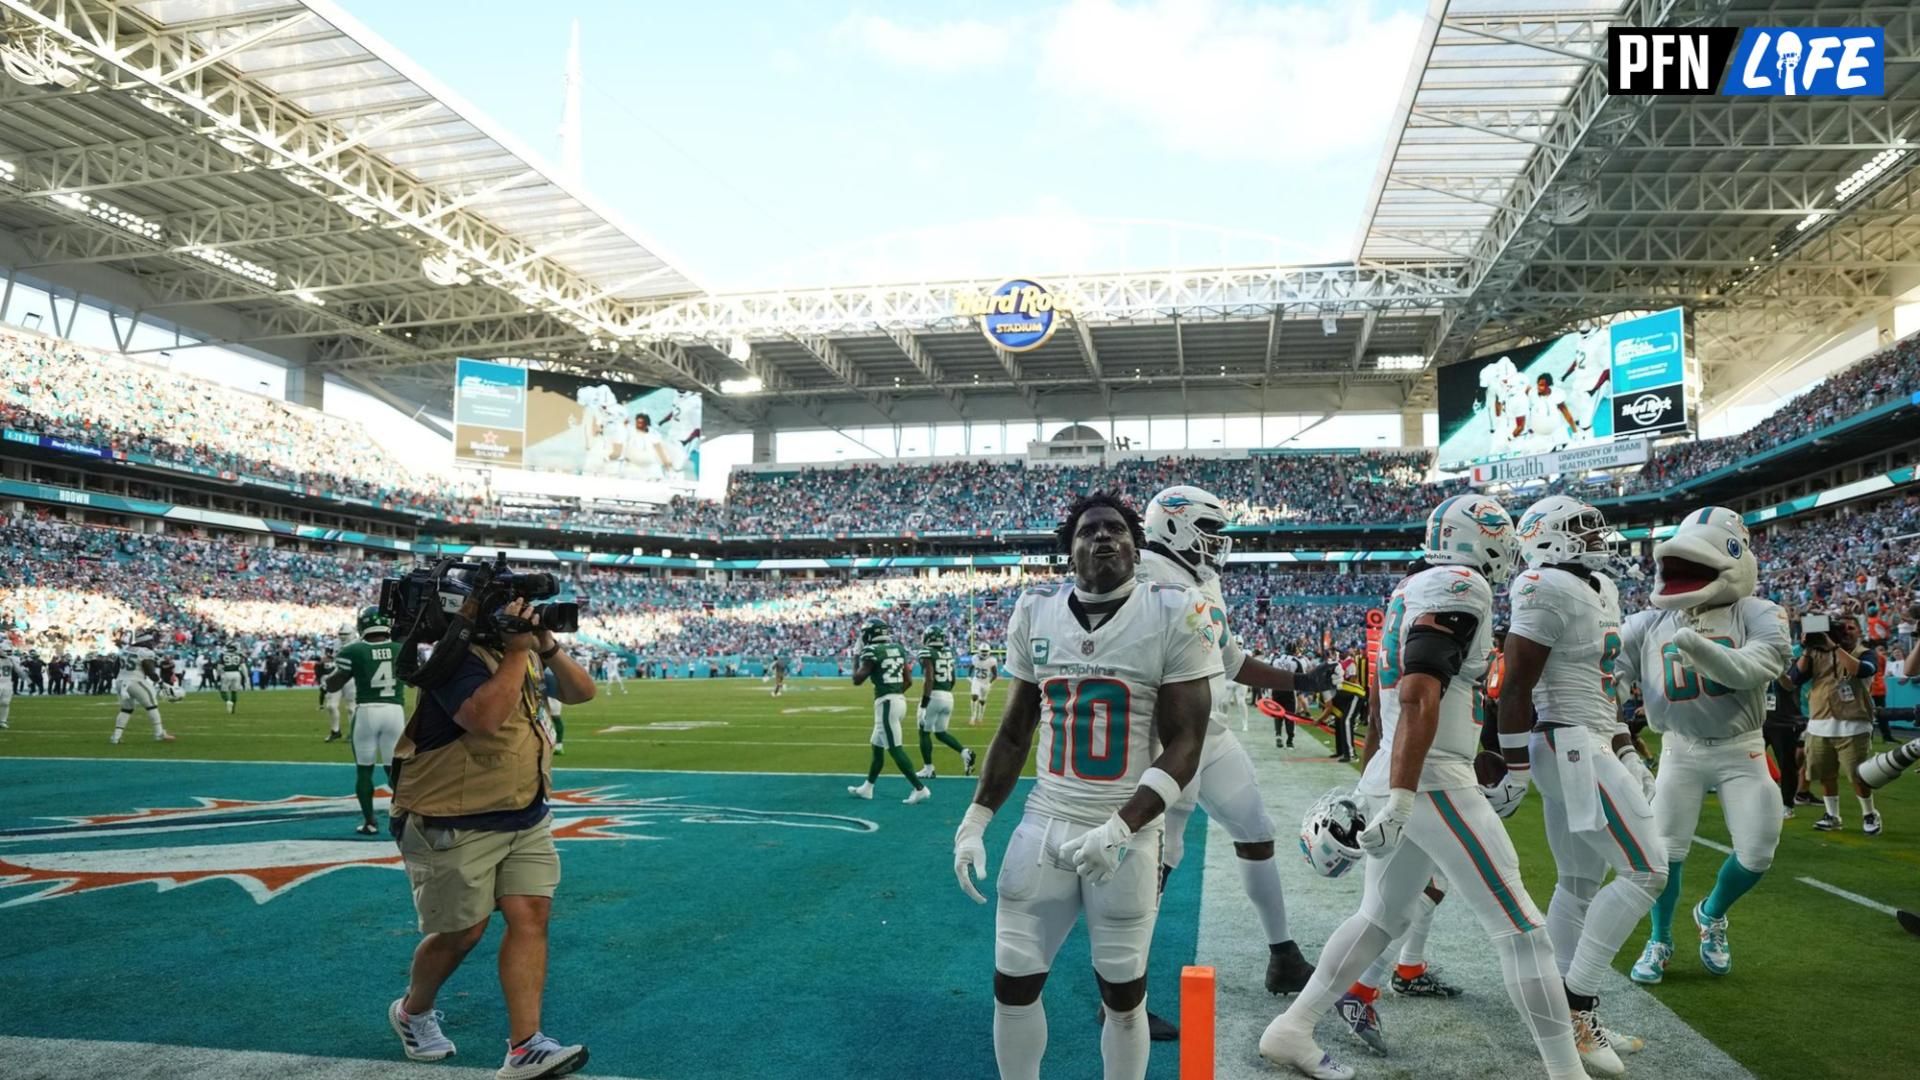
1837,674
472,773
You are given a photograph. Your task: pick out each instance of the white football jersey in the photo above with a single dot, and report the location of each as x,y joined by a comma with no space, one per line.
1681,699
130,662
1157,569
1098,689
1579,619
1449,762
1544,411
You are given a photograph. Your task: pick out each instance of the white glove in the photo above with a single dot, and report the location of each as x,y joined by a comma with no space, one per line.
1507,795
1097,853
1637,769
970,850
1383,833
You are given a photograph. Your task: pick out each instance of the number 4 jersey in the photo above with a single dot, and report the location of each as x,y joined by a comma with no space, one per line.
1433,591
371,664
1579,619
1098,688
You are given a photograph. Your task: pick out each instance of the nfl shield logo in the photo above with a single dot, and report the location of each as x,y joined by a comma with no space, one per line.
1086,646
1573,755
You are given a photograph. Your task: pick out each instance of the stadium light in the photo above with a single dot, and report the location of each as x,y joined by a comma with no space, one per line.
1874,166
1409,362
751,385
1329,325
7,171
310,297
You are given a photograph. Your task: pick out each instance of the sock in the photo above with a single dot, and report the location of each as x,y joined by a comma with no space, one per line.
905,766
1354,944
926,747
1364,991
1617,908
1375,976
1567,916
1731,885
1262,880
1413,944
1866,805
363,789
1124,1045
879,759
1534,987
120,722
559,730
1669,902
1410,971
154,715
949,742
1832,803
1020,1039
333,723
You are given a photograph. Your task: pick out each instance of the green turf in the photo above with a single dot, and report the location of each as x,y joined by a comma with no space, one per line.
1806,962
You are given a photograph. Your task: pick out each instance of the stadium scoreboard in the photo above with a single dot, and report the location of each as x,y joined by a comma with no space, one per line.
507,416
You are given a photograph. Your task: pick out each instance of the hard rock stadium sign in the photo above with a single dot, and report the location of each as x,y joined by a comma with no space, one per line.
1018,316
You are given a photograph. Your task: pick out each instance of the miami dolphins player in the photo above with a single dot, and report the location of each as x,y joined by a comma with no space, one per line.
1704,658
985,669
937,664
1560,725
139,667
880,660
233,672
1113,676
1426,811
9,668
379,713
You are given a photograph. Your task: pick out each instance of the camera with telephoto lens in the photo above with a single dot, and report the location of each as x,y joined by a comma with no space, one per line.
455,603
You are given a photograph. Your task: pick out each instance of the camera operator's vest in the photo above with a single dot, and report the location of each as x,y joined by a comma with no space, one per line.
480,772
1824,697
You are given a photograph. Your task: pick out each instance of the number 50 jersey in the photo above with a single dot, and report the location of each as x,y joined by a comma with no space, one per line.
1449,763
1098,688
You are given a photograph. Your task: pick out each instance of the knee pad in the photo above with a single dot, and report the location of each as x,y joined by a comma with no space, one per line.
1256,852
1652,882
1018,990
1125,1001
1754,862
1391,923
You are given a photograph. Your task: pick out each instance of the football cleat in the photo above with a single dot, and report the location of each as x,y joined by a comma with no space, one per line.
167,736
367,828
541,1056
559,748
114,739
1652,965
1425,984
1362,1020
1870,824
1595,1051
332,736
925,773
1287,970
420,1036
1715,955
1828,823
1804,798
919,795
967,760
1623,1044
861,791
1284,1046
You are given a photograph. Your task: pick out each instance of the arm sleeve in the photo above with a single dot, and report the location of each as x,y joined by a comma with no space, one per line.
1019,650
1191,652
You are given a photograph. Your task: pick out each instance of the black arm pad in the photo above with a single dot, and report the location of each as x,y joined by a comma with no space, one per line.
1439,647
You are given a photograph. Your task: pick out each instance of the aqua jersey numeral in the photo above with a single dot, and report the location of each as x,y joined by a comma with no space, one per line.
1682,683
1073,711
1390,642
1609,659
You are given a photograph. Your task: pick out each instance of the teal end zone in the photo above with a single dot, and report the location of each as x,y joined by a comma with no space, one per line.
740,925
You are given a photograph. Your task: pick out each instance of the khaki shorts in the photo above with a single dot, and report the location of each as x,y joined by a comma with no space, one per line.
459,875
1847,751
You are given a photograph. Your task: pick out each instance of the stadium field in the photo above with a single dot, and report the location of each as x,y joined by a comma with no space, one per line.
218,877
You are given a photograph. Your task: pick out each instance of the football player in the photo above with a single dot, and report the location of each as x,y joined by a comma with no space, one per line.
330,699
1550,424
887,665
779,676
1587,378
379,714
985,670
1704,657
1560,723
233,673
138,670
937,664
1105,671
1425,808
10,670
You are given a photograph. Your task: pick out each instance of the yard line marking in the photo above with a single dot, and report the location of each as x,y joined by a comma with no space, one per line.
1721,848
1845,895
329,764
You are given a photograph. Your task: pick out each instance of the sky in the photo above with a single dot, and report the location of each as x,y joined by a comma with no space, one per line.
779,142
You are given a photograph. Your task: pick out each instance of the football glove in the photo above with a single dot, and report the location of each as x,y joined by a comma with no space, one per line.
1506,795
970,850
1317,681
1637,769
1097,853
1384,832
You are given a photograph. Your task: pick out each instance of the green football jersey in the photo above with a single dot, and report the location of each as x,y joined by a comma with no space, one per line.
232,661
371,663
937,664
889,662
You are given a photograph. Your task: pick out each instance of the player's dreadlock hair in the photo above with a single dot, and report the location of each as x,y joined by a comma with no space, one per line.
1064,534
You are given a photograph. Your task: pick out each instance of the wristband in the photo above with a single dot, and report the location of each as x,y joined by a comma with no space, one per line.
1628,756
1400,803
1161,783
976,817
548,655
1515,740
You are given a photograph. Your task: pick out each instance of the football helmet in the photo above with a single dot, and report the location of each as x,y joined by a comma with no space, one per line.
371,624
1187,521
1562,529
1707,562
146,639
875,632
934,635
1471,530
1329,835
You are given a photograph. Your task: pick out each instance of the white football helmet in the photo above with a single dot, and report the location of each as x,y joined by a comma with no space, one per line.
1471,530
1562,529
1707,562
1330,833
1178,518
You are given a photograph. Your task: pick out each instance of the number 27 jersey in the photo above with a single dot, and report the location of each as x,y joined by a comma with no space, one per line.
1098,688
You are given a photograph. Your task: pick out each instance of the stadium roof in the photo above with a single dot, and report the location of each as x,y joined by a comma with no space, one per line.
270,173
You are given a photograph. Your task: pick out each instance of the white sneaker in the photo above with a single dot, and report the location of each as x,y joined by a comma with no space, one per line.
541,1056
420,1036
1652,965
861,791
163,736
920,794
1715,954
114,739
1870,824
925,773
1595,1051
1284,1046
967,760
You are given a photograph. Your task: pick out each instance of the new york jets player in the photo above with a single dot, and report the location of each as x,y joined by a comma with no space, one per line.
139,667
1185,547
1107,672
330,699
1426,812
1559,723
937,664
985,670
1704,658
379,714
887,665
233,673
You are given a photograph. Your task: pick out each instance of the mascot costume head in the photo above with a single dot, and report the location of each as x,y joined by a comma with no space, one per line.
1707,562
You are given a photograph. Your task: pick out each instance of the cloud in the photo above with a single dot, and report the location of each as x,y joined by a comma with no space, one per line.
1229,80
959,45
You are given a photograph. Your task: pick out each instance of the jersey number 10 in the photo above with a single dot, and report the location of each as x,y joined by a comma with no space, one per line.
1073,708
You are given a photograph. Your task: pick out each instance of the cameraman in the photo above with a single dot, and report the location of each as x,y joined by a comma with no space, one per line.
1837,674
473,770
